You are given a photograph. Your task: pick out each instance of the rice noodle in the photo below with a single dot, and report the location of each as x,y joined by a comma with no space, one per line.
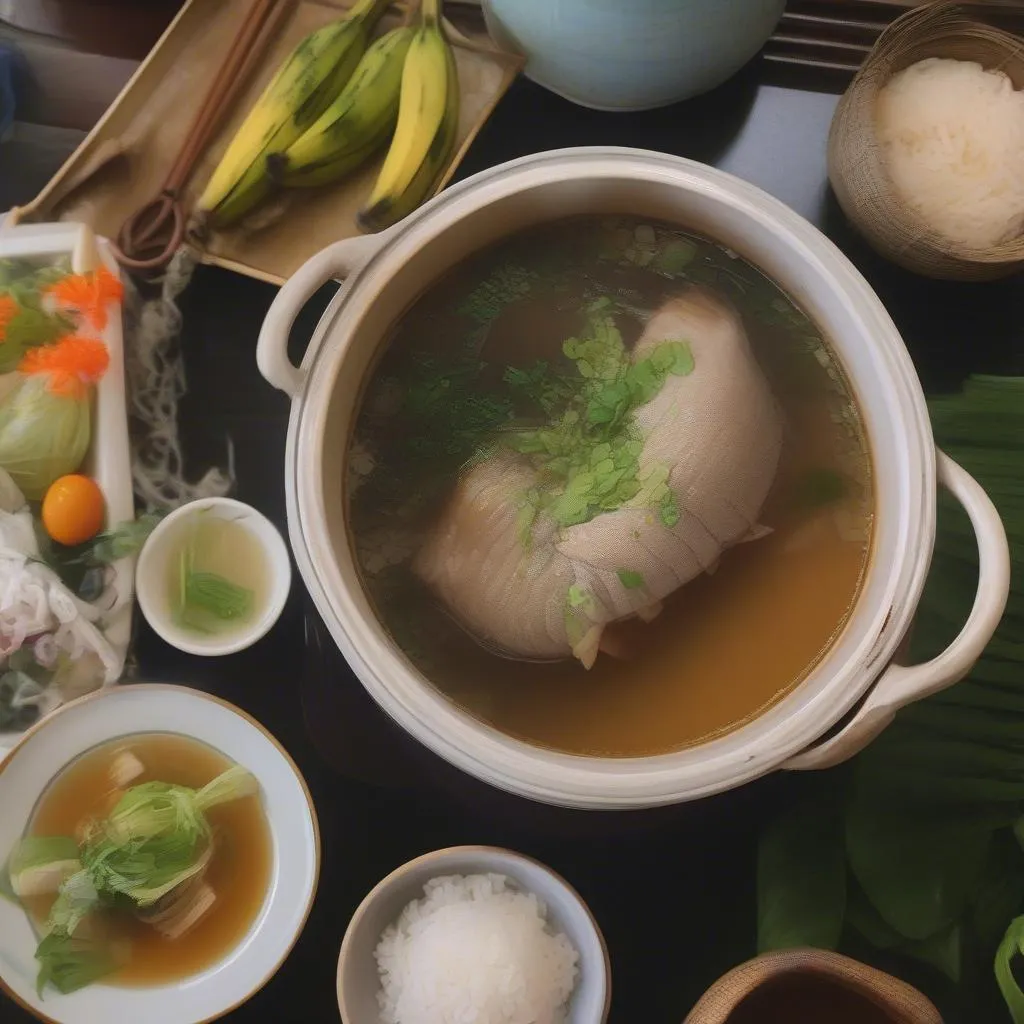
156,383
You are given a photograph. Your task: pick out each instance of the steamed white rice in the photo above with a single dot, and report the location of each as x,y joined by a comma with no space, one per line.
474,950
953,136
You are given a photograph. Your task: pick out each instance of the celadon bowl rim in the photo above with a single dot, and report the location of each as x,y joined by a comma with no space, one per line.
223,986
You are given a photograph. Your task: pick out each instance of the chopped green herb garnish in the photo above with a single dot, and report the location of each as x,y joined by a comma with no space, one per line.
668,509
498,290
631,580
820,487
450,414
540,385
581,598
675,257
589,456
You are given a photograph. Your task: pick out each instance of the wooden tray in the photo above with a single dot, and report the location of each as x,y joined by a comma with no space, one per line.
122,163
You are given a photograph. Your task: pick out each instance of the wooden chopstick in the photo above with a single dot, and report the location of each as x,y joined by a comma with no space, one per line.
225,86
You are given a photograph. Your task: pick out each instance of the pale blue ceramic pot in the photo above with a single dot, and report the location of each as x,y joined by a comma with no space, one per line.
632,54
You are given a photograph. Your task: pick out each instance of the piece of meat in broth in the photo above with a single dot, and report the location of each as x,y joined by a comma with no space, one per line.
718,430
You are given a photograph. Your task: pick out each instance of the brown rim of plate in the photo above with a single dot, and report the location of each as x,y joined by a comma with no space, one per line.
99,695
472,849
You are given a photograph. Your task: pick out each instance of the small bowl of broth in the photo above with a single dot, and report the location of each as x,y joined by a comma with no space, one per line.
160,853
213,577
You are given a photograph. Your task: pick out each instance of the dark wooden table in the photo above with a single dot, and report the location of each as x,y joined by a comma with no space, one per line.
674,890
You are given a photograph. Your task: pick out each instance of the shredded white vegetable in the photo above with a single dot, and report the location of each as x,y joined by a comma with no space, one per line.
34,604
156,383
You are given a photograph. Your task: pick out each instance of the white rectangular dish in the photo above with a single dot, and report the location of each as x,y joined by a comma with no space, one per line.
108,461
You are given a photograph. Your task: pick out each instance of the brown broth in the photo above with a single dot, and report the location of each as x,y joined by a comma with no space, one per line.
239,871
727,645
808,999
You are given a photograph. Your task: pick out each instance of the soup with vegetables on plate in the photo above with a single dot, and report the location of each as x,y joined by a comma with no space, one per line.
146,861
609,489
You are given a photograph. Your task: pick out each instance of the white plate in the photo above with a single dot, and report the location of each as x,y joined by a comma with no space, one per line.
120,711
109,460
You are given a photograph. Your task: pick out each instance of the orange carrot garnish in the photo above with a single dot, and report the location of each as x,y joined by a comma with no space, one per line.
88,294
8,309
72,364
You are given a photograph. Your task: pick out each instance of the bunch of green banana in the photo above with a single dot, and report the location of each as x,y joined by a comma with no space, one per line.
428,117
355,125
305,85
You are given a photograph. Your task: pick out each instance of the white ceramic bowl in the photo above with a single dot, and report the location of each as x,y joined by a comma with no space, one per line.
854,690
154,565
359,981
122,711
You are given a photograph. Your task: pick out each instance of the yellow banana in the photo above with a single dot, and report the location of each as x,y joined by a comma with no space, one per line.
428,117
355,124
303,87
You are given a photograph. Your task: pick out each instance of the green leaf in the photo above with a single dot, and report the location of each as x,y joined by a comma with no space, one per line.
70,964
675,257
941,950
801,879
631,580
216,595
865,919
676,357
917,869
668,510
1009,963
156,836
76,899
503,286
819,487
1000,895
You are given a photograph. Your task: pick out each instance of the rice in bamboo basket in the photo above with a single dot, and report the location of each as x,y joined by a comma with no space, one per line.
857,161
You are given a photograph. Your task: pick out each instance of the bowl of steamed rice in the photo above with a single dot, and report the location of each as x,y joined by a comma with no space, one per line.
473,933
614,482
926,150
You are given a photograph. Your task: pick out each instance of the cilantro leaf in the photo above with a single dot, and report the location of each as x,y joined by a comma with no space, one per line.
630,579
589,454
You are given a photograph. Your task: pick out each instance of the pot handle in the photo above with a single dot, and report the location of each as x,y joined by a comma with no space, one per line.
901,685
337,262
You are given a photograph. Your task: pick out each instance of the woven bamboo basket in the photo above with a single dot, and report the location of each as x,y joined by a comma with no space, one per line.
729,998
856,165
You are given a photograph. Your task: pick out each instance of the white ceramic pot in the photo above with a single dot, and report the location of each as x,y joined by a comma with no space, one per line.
635,55
855,681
